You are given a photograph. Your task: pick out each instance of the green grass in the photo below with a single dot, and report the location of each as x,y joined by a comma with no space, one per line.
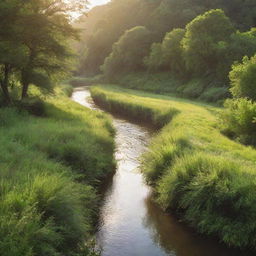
165,83
51,168
208,179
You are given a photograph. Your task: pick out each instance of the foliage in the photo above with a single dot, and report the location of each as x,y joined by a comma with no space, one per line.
167,83
163,82
205,37
195,170
154,61
215,94
34,42
243,78
239,119
168,54
104,25
172,51
242,44
128,53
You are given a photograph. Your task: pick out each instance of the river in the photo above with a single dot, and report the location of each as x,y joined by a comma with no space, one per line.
130,223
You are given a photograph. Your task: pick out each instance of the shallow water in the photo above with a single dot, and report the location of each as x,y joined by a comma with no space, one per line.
130,223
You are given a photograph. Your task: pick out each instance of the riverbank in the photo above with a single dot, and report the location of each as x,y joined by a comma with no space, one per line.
51,168
196,171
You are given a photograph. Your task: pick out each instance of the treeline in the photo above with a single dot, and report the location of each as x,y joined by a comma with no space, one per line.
186,47
105,24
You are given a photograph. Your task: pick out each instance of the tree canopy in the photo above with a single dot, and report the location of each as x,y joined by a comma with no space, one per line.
129,52
34,45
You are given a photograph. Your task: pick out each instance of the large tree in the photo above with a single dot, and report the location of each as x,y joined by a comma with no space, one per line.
39,31
128,52
206,37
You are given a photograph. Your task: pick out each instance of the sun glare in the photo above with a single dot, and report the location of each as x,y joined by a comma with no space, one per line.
93,3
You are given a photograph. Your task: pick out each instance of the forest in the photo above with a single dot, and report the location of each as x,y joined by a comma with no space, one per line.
183,71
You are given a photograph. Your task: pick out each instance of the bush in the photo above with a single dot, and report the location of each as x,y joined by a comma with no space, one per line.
192,89
158,83
239,119
213,194
215,94
243,78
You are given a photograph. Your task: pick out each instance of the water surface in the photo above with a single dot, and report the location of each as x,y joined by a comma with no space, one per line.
130,223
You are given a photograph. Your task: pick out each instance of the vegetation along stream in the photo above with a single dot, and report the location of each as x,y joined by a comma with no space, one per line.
130,223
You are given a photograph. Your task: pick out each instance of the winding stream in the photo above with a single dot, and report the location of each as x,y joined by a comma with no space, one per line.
130,223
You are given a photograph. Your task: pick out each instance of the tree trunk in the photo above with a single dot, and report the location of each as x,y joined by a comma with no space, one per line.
5,83
24,91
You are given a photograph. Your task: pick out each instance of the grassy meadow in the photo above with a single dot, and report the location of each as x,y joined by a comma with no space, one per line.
51,167
206,178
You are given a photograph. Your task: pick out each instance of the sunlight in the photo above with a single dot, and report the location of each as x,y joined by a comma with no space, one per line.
93,3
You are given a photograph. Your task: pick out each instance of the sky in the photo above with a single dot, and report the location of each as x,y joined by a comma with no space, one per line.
94,3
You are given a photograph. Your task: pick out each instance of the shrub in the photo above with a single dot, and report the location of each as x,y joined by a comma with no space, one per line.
192,89
239,118
243,78
215,94
158,83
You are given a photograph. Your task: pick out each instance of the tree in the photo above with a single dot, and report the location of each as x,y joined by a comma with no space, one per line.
128,52
243,78
154,61
172,51
206,36
12,52
47,27
35,48
242,44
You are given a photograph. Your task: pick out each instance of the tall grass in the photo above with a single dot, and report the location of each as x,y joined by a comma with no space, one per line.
203,89
208,179
50,168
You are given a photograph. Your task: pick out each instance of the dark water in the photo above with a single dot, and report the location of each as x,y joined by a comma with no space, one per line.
130,223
